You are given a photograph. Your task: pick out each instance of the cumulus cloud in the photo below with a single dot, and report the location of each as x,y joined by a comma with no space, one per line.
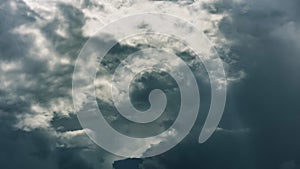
39,43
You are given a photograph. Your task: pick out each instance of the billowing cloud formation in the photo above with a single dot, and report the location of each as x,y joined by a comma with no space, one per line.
36,67
263,38
257,40
39,44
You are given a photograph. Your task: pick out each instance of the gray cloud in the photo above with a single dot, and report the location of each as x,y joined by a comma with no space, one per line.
35,104
259,129
262,40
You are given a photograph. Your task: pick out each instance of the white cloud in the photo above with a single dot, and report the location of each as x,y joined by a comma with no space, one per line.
41,78
38,118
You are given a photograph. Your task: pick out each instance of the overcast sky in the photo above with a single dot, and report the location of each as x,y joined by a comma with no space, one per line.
257,40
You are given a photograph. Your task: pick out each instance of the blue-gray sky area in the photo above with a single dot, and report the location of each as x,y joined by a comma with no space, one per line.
257,40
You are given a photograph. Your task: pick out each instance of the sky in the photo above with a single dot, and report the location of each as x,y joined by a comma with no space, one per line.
257,40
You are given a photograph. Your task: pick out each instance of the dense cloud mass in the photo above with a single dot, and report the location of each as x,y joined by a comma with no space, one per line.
257,40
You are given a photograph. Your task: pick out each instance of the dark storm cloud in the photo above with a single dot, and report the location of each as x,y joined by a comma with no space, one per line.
12,45
37,82
31,76
261,119
73,23
36,150
264,35
28,79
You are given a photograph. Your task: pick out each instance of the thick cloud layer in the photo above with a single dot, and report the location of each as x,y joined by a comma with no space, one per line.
264,37
257,40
